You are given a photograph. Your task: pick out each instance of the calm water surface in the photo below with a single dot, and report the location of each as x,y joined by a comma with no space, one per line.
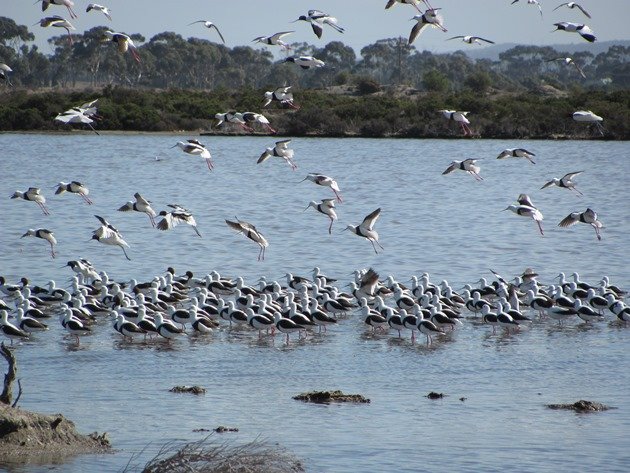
450,226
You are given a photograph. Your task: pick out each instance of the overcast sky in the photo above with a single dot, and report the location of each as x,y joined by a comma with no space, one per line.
365,20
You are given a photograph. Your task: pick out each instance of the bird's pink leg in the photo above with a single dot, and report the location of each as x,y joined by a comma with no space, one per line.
209,163
52,250
271,129
338,196
292,105
577,192
152,220
44,208
540,227
330,227
87,199
374,246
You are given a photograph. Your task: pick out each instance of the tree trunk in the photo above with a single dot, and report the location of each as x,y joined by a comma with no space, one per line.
7,391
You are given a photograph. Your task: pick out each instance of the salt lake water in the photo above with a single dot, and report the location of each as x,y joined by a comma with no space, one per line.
452,227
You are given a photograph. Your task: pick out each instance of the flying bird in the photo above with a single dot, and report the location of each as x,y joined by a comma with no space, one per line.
124,43
195,148
57,22
325,181
459,117
3,73
586,116
471,39
583,30
430,18
589,216
532,2
209,25
413,3
33,194
96,7
318,19
305,62
526,209
250,118
233,118
176,216
274,39
281,95
140,205
568,61
366,229
326,207
517,153
250,231
75,116
467,165
280,150
44,234
74,187
573,5
109,235
66,3
565,182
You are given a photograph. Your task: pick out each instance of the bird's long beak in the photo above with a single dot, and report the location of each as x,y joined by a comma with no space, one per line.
507,208
306,208
172,146
303,180
26,234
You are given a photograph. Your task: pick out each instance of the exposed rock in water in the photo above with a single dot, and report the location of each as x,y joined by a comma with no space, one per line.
25,434
323,397
188,389
434,395
581,406
220,429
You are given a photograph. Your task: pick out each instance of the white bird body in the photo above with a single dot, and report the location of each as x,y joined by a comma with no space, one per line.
569,61
109,235
57,22
472,39
251,118
281,94
573,5
176,216
467,165
589,216
586,116
274,39
195,148
305,62
123,42
209,25
66,3
280,150
33,194
528,211
326,207
366,229
565,181
459,117
322,180
532,2
517,153
583,30
44,234
318,19
250,231
96,7
74,187
140,205
3,73
428,18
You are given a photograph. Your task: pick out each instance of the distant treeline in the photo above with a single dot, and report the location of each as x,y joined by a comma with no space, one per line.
363,109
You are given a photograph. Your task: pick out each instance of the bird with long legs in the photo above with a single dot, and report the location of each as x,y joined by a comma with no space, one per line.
458,117
109,235
57,22
45,235
179,214
317,19
527,209
589,216
74,187
123,42
325,181
325,207
250,231
532,2
517,153
196,148
96,7
280,150
366,229
208,24
565,182
62,3
140,205
428,18
9,330
274,40
280,95
468,165
568,61
33,194
586,116
573,5
468,39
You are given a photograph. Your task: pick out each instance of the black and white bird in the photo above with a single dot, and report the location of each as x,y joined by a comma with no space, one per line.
366,229
196,148
458,117
109,235
413,3
280,150
9,330
123,42
428,18
525,208
280,95
326,181
583,30
565,182
75,116
3,73
589,216
471,39
326,207
74,187
318,19
45,235
96,7
586,116
209,25
250,231
532,2
65,3
57,22
140,205
179,214
274,39
573,5
569,61
517,153
251,118
33,194
305,62
467,165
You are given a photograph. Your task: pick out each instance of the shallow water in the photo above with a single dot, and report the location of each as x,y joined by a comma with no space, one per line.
450,226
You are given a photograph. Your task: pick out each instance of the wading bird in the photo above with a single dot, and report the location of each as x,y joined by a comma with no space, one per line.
471,39
366,229
413,3
586,116
233,118
281,95
123,42
209,25
458,117
573,5
281,150
589,216
96,7
3,73
318,19
44,234
430,18
305,62
140,205
532,2
526,209
75,116
57,22
583,30
325,181
33,194
274,39
250,231
326,207
176,216
517,153
568,61
66,3
565,182
250,118
467,165
109,235
74,187
195,148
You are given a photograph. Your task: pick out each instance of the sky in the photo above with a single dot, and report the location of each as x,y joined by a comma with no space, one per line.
365,21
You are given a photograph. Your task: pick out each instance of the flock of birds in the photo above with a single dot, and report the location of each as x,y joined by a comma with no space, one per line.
169,306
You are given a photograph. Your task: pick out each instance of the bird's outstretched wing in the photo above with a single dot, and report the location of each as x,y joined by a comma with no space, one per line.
370,219
571,219
454,165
